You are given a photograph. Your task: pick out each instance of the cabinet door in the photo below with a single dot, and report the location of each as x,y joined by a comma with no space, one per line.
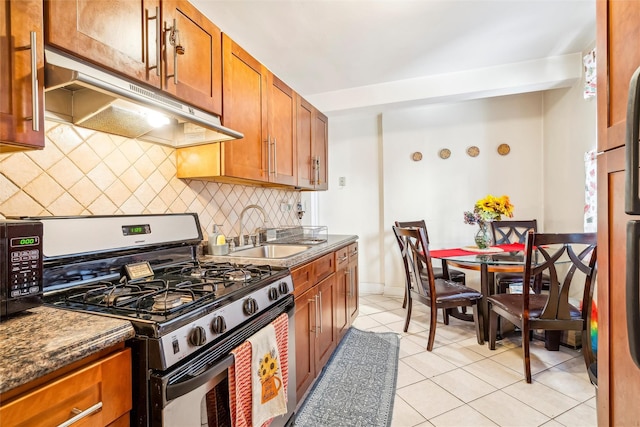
320,150
617,23
282,160
353,290
327,332
343,286
342,298
618,376
305,334
195,75
245,110
21,75
304,119
121,35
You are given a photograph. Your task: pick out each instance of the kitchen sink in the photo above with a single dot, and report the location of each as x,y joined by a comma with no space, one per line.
270,251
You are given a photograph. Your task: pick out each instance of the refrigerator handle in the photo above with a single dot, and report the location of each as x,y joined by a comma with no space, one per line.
633,290
632,199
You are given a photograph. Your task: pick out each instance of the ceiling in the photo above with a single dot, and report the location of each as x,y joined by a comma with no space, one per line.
326,47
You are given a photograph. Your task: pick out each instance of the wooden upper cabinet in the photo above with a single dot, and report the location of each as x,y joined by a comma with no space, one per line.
245,110
192,67
121,35
263,108
282,163
138,39
305,143
320,150
21,75
312,140
617,23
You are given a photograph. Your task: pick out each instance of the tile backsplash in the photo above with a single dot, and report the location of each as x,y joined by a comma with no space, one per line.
83,172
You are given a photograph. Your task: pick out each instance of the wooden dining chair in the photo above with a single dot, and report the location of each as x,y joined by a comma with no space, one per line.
422,285
566,258
505,232
442,272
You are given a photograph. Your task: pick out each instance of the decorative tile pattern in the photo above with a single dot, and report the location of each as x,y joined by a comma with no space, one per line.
82,172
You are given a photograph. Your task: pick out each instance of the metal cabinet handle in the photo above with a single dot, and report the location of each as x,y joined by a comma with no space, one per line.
275,156
632,200
175,58
317,311
633,289
320,297
158,39
344,258
352,282
268,142
35,104
315,321
317,161
81,414
174,40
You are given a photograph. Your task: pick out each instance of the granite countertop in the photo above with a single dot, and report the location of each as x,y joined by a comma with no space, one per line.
43,339
334,241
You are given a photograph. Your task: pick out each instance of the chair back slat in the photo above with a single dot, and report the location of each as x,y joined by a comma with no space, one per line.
505,232
416,259
563,255
414,224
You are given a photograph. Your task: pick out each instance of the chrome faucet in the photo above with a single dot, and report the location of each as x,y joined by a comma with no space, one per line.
264,221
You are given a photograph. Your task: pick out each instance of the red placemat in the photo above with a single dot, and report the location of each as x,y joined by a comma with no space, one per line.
445,253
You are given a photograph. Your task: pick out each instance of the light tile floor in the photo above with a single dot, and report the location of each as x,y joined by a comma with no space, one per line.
461,383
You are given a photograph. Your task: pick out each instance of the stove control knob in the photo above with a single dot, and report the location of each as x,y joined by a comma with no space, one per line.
218,325
198,336
273,294
250,306
284,288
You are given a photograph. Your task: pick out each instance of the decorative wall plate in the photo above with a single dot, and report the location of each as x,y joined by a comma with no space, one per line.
473,151
445,153
503,149
417,156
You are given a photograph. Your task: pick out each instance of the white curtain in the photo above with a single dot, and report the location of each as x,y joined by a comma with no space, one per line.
590,193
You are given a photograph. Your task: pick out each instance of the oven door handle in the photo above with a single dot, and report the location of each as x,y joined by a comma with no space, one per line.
174,391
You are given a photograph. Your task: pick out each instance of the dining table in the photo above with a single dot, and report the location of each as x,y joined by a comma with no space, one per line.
505,258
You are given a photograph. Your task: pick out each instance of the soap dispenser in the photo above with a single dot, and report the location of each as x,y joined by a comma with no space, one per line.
213,238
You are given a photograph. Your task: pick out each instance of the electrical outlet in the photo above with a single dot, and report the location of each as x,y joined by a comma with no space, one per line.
342,181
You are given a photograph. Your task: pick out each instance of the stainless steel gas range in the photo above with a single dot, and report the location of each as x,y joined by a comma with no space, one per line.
188,315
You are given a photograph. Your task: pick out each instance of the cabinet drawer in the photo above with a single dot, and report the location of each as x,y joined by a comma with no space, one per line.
353,252
302,279
324,266
106,381
342,258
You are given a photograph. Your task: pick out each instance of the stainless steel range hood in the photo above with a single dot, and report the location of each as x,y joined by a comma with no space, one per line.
96,99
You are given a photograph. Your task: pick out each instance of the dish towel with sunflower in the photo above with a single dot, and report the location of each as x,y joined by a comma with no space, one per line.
258,379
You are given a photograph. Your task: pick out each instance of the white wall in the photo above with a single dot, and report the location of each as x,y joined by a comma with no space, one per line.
548,133
354,146
438,190
569,132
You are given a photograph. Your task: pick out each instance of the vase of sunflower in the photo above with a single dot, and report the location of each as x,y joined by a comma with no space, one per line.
485,211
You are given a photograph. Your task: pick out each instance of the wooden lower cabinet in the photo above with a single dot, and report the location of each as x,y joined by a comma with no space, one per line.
346,287
325,293
305,342
103,385
343,286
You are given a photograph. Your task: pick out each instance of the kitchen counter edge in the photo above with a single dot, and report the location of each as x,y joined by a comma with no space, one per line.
334,241
44,339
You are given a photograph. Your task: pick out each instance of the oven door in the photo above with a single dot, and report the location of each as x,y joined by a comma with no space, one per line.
197,393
